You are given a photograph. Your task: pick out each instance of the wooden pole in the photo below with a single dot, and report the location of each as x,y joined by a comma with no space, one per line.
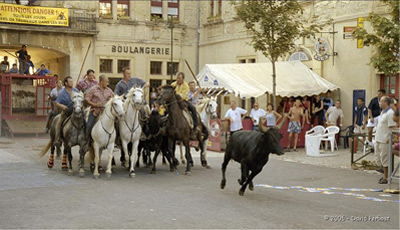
84,59
15,56
191,71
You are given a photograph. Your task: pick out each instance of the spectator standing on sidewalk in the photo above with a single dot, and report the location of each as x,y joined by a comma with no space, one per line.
383,132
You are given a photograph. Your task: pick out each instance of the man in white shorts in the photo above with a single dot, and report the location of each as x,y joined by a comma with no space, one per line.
382,135
374,112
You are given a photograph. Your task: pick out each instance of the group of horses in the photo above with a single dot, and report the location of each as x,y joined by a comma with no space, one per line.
120,124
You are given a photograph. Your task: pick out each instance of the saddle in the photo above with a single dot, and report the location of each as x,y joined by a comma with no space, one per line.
187,115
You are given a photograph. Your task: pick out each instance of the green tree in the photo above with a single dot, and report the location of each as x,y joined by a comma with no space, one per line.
384,39
275,25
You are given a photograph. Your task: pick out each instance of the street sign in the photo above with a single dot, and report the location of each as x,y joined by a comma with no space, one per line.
347,36
349,29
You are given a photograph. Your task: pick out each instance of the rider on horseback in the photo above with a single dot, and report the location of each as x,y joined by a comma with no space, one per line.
64,103
52,97
97,96
123,87
182,90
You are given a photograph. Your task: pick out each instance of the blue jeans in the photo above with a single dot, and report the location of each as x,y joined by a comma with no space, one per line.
90,123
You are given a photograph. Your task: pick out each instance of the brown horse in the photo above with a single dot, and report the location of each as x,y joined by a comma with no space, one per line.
178,128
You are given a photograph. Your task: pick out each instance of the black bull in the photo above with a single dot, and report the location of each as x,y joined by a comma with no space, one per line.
251,149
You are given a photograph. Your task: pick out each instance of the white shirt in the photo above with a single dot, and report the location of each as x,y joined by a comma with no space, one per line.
382,130
54,92
256,114
334,114
236,116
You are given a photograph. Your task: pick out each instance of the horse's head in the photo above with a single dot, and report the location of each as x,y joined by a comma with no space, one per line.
117,108
212,107
77,103
167,94
136,96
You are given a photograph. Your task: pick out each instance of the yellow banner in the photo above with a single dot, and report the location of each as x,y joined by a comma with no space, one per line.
34,15
360,24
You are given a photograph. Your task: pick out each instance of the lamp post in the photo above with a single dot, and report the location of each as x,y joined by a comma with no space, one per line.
171,64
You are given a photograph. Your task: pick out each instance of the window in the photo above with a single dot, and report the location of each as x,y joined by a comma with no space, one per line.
156,9
122,64
391,85
106,65
123,8
175,67
173,8
155,67
247,60
105,8
155,83
219,8
212,8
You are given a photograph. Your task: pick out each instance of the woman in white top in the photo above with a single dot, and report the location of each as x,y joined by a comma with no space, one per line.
272,116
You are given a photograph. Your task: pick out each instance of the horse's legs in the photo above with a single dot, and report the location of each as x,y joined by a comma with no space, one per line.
69,152
227,158
249,180
64,166
110,149
153,170
50,162
133,157
188,156
138,158
81,163
180,148
96,160
203,153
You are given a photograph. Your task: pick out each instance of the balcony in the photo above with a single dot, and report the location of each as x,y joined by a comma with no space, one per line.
80,22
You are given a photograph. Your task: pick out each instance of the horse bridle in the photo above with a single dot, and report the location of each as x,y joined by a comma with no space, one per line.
113,119
131,129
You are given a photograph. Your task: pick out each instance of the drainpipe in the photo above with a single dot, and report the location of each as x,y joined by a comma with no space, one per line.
198,38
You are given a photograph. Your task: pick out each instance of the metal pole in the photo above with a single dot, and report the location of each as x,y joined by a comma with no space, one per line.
172,47
391,159
198,39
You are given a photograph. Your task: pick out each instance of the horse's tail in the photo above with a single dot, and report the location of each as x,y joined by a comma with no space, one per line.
44,151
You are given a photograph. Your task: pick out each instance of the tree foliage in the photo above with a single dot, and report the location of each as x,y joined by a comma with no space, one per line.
384,39
275,25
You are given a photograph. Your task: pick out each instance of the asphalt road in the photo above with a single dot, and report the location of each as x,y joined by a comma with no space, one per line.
32,196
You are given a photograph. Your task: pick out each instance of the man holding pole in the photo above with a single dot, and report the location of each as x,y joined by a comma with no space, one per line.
21,54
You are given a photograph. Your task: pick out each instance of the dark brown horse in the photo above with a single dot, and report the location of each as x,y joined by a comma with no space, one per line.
178,128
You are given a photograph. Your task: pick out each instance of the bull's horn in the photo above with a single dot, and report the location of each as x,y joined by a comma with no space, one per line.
261,126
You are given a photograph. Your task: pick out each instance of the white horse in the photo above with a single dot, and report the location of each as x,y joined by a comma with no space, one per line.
129,127
103,133
207,108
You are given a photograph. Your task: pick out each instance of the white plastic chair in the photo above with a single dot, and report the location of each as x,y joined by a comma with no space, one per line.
330,136
317,130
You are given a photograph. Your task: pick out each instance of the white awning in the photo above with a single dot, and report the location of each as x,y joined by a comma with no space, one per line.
255,79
